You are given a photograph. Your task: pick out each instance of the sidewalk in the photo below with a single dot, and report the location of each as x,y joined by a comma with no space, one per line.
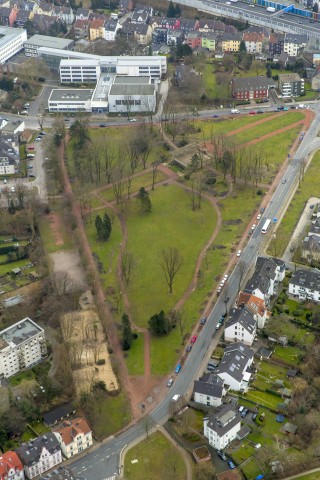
303,474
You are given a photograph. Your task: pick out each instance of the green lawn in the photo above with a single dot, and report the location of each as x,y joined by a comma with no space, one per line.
245,451
310,186
310,476
171,223
108,415
268,127
251,469
20,377
267,374
263,398
5,268
135,357
49,240
291,355
157,459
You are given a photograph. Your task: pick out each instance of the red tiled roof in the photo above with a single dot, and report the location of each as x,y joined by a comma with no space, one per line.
9,460
71,428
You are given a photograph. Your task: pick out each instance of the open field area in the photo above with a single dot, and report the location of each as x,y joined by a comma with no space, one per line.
308,187
156,458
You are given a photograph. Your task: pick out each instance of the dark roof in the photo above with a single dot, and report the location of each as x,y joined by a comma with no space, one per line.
223,421
141,28
212,24
58,413
29,453
311,243
210,385
243,432
242,316
231,37
249,83
234,361
209,35
84,12
292,373
295,38
187,24
306,279
261,30
265,271
110,25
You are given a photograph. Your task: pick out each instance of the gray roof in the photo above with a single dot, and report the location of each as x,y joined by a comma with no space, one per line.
311,243
242,316
131,89
110,25
315,227
59,413
264,272
123,79
306,279
223,421
261,30
29,453
234,361
209,35
249,83
212,24
243,432
20,332
141,28
210,385
289,77
295,38
231,37
59,95
46,41
61,473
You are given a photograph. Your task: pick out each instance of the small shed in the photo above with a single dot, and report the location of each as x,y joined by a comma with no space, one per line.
286,393
12,301
243,432
292,373
283,340
279,383
264,353
16,271
289,429
201,454
58,414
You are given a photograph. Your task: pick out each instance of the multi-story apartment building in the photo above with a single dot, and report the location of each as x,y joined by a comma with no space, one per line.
40,454
250,88
11,42
21,346
305,285
291,85
11,467
74,436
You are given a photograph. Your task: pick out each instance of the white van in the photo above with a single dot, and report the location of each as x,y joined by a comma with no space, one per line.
234,110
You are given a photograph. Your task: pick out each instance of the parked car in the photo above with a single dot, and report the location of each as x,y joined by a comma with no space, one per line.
133,119
178,368
226,277
103,125
241,407
38,139
194,339
259,217
252,112
30,167
31,175
262,209
239,253
254,416
259,111
170,382
231,465
203,320
283,181
42,133
244,412
221,454
175,398
30,147
218,326
189,348
30,155
253,226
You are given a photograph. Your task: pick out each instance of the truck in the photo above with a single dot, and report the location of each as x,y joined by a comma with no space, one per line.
271,9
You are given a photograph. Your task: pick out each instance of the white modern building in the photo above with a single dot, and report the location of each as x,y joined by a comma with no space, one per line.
132,95
222,427
241,326
21,346
32,45
305,285
70,100
11,42
79,71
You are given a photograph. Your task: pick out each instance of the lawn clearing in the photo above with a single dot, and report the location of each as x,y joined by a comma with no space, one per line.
309,186
309,476
263,398
245,451
53,234
251,470
7,267
157,458
135,356
292,355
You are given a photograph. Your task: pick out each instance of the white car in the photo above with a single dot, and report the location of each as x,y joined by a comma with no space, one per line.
30,155
170,382
225,278
13,189
239,253
38,139
222,283
259,217
133,119
253,226
175,398
218,326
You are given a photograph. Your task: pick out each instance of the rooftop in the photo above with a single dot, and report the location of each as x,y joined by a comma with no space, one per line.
51,42
119,79
20,332
70,94
289,77
306,279
134,89
30,452
244,317
224,420
8,33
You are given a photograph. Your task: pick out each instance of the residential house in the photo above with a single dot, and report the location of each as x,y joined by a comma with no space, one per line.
65,14
188,25
159,35
11,467
282,59
293,43
96,29
7,16
265,32
256,306
9,153
127,31
59,414
209,390
81,28
74,436
210,25
305,285
230,42
40,454
155,22
268,273
22,345
42,23
142,13
22,17
142,33
193,39
97,16
175,37
44,8
125,5
291,85
111,28
209,41
276,43
311,248
250,88
241,326
315,81
82,14
253,42
220,428
170,23
234,366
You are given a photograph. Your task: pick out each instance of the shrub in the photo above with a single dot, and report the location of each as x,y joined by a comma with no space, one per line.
110,350
287,311
101,361
259,192
297,313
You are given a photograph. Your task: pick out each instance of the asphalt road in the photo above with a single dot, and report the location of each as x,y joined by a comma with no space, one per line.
103,462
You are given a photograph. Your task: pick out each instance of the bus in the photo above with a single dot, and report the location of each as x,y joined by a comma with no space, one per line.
266,226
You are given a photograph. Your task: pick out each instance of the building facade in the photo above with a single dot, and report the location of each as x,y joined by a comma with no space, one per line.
209,390
40,455
291,85
241,326
11,467
32,45
21,346
74,436
222,427
250,88
11,42
305,285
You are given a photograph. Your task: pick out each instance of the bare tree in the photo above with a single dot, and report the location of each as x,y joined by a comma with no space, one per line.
226,297
170,261
148,424
178,318
118,186
126,265
242,268
155,166
195,193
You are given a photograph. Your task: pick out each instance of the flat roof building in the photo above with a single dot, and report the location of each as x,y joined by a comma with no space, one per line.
70,100
32,45
11,42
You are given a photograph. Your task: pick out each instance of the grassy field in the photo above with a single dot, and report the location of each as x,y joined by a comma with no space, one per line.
109,415
50,244
157,458
291,355
251,469
135,357
309,187
6,268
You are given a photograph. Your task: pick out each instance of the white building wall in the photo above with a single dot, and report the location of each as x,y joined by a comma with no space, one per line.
304,293
81,442
217,442
7,169
207,400
80,72
13,45
46,462
232,382
237,333
139,103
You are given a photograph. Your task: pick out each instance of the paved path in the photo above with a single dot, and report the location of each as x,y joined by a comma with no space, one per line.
303,473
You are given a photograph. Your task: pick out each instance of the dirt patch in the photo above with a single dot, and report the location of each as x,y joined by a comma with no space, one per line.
55,227
87,346
69,261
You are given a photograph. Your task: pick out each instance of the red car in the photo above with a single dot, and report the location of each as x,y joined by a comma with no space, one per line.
30,147
194,339
252,112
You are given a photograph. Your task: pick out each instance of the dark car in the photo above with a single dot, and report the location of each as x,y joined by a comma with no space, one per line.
103,125
189,348
231,465
203,320
215,116
221,454
311,206
244,412
259,111
262,209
